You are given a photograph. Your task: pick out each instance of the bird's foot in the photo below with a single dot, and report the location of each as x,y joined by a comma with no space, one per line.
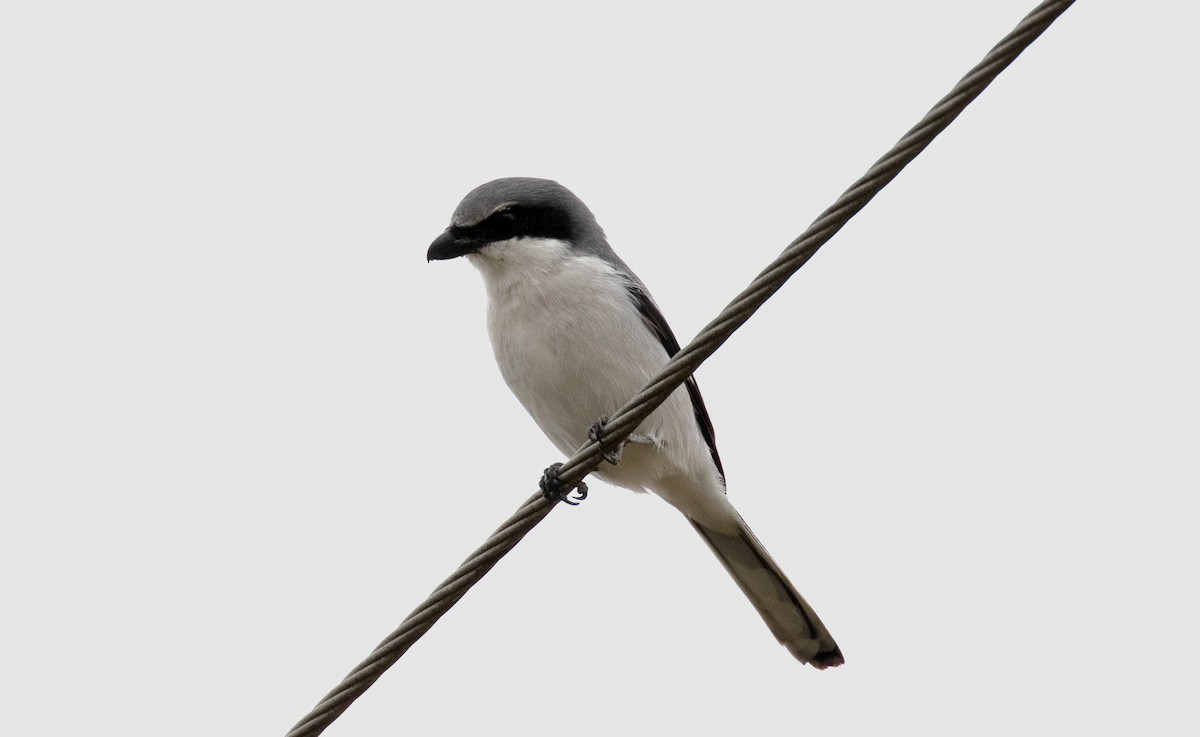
595,433
554,489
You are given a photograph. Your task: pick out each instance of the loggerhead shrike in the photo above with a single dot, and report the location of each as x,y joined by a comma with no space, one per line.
576,335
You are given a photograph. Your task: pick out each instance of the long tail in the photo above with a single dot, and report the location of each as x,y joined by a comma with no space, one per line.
787,614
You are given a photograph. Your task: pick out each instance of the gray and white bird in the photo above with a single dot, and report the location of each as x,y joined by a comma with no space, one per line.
576,335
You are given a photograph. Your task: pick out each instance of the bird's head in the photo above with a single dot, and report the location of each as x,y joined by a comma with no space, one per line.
503,211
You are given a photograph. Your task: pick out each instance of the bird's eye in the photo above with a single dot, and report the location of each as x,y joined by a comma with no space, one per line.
500,225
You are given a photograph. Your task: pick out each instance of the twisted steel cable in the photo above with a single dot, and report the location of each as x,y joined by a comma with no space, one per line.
682,365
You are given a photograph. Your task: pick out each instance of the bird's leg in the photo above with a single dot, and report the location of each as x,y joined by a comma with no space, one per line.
595,433
554,490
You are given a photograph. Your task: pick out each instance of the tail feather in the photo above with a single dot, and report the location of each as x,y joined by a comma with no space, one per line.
787,614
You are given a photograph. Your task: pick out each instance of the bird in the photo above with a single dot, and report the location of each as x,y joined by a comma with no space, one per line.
576,334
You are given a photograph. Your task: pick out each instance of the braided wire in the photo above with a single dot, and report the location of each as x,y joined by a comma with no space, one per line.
682,365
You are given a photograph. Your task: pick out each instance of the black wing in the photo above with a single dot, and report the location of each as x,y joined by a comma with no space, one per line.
658,325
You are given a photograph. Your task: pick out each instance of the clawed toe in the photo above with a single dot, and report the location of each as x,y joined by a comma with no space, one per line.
595,433
553,489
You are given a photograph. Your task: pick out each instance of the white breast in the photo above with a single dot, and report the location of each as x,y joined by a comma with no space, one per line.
573,348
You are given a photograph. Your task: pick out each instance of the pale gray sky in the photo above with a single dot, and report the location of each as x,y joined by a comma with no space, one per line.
245,428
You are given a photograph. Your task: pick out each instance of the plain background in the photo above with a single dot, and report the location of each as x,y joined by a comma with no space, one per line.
245,428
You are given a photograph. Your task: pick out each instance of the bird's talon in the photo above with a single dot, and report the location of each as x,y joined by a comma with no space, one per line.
551,484
552,487
595,434
596,431
580,494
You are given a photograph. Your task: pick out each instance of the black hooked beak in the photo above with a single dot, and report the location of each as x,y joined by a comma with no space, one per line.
452,244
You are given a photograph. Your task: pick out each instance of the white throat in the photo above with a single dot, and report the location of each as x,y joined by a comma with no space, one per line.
519,263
